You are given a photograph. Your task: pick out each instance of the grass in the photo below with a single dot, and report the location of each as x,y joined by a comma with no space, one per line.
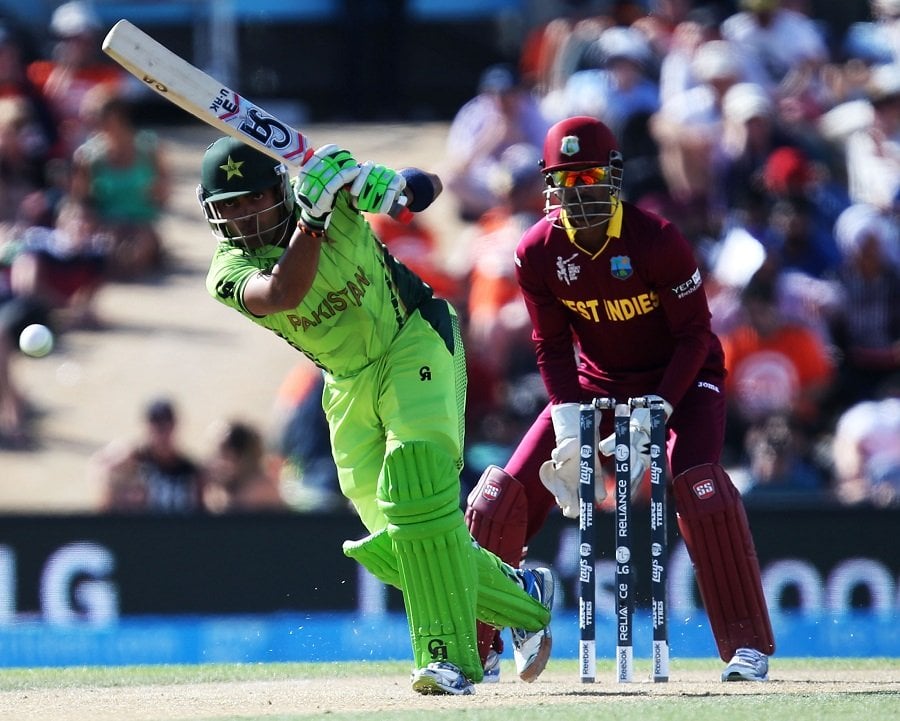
849,689
109,676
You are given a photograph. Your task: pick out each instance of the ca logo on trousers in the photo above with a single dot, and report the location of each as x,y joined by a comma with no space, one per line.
438,649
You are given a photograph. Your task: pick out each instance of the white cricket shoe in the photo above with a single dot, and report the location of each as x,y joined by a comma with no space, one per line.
491,667
531,649
748,664
441,678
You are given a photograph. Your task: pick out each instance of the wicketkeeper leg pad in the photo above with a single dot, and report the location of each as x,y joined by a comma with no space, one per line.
713,523
497,517
419,494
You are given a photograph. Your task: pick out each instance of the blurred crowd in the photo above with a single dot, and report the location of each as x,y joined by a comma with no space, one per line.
770,139
774,144
81,190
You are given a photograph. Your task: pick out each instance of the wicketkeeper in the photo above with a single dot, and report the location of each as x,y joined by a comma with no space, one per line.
616,300
299,258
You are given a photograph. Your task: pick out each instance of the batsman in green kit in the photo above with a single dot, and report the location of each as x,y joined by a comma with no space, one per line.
298,257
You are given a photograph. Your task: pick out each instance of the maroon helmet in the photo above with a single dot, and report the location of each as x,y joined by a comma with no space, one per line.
581,157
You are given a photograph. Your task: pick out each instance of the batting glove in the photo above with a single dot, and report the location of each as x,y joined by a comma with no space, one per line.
561,474
639,425
319,179
377,188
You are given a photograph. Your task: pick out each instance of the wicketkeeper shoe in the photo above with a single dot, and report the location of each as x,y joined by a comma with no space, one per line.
748,664
531,649
491,667
441,678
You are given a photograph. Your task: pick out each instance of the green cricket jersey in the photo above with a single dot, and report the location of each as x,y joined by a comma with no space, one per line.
360,298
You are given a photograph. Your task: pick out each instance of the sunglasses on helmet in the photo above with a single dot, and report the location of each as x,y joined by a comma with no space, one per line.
585,176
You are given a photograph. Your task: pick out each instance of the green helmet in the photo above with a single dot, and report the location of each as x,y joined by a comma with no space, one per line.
231,169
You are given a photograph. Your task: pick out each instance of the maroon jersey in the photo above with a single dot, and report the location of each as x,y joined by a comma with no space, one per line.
636,310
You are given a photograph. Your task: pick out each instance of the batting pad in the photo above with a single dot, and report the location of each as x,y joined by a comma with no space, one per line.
501,601
376,553
419,494
714,526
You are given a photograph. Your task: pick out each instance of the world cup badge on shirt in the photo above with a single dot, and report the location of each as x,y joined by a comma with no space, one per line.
620,266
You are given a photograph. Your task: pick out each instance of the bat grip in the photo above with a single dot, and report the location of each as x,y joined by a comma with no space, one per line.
400,212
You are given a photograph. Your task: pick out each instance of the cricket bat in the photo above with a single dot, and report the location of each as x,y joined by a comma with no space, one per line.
206,98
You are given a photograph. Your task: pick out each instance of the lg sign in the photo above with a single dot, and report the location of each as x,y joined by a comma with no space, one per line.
75,585
790,584
95,570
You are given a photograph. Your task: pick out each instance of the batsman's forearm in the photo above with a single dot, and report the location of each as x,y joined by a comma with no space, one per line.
290,280
296,270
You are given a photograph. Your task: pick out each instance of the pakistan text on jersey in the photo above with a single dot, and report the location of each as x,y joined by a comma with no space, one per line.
335,301
616,309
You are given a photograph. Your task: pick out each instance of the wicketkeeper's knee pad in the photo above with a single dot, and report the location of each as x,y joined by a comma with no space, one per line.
713,523
497,517
418,493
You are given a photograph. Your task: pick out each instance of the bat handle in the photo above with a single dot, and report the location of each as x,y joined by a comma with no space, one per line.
400,212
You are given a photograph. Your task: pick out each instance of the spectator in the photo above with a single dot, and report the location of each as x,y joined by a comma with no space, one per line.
749,134
415,245
502,373
660,24
866,329
16,313
76,66
14,83
876,41
866,453
778,459
63,267
789,172
677,71
557,50
239,476
123,172
873,152
776,41
22,163
688,125
153,474
503,113
498,325
735,256
309,474
775,365
617,83
792,240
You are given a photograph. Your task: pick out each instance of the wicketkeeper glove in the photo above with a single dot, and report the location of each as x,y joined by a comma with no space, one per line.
639,425
561,474
319,179
376,188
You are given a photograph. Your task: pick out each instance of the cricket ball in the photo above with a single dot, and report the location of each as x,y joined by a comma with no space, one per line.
36,340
